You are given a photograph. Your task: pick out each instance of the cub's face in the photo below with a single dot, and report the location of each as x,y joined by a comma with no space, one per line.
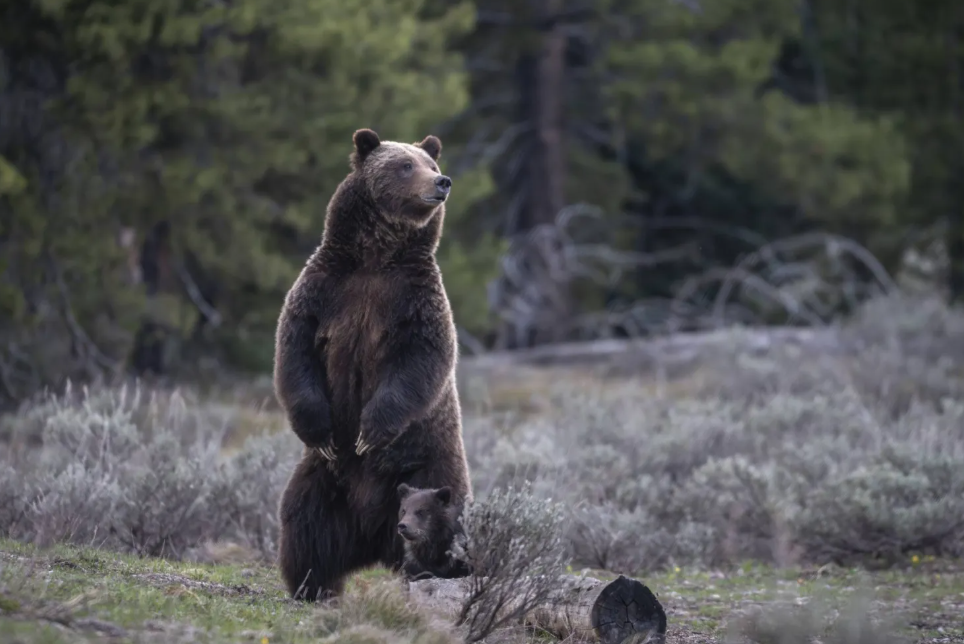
422,513
403,178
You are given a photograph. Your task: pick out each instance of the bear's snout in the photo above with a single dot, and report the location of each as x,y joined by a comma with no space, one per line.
443,184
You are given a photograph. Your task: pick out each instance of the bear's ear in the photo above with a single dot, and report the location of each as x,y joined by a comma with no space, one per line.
444,494
404,491
432,145
365,141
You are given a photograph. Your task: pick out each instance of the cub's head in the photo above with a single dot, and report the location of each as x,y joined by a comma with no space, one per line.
424,515
404,179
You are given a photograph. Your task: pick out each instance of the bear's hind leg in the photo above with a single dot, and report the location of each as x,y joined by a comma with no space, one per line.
319,541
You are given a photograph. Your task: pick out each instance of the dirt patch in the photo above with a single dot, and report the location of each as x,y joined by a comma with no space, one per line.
167,580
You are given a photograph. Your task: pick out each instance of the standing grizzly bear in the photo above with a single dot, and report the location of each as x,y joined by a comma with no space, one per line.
365,359
428,521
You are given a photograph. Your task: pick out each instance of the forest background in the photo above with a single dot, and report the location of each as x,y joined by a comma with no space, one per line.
621,168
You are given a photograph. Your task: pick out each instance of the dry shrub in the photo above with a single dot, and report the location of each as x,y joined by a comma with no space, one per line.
515,547
138,472
779,455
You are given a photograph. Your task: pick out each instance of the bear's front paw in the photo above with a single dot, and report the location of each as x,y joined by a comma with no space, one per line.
374,433
312,425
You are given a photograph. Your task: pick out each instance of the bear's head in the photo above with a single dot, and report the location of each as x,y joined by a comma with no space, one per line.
403,179
424,515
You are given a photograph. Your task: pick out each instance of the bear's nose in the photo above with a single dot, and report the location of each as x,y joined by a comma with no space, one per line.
402,527
443,183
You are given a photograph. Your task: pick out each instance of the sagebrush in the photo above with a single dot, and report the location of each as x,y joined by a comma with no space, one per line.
774,454
138,471
771,454
515,547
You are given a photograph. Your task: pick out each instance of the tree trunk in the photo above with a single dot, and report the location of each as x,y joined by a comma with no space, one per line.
550,157
540,74
584,608
541,85
148,353
955,229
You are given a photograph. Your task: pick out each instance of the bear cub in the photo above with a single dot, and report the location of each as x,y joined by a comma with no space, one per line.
428,522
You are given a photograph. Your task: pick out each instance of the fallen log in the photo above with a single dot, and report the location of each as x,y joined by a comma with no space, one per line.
584,608
679,347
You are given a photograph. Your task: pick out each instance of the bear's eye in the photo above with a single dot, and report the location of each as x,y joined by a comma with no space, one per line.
419,514
407,166
402,513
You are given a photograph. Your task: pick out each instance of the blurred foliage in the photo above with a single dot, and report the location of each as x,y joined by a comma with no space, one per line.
214,133
164,167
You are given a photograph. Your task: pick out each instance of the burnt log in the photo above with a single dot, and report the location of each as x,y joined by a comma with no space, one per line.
583,608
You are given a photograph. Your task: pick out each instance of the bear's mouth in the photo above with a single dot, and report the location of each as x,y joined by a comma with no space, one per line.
408,534
435,199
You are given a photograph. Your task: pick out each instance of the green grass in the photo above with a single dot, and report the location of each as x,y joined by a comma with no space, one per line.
924,601
69,594
70,587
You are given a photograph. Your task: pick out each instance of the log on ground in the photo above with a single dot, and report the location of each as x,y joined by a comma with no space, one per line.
585,608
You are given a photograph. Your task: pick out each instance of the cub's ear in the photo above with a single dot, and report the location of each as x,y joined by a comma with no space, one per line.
404,491
365,141
444,494
432,145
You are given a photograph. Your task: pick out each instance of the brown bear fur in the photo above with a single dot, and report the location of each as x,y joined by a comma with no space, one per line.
428,522
365,369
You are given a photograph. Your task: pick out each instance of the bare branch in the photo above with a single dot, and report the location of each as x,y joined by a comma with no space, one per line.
470,342
193,292
805,279
86,348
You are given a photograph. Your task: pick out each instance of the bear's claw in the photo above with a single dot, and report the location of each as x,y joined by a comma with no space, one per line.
361,446
327,452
